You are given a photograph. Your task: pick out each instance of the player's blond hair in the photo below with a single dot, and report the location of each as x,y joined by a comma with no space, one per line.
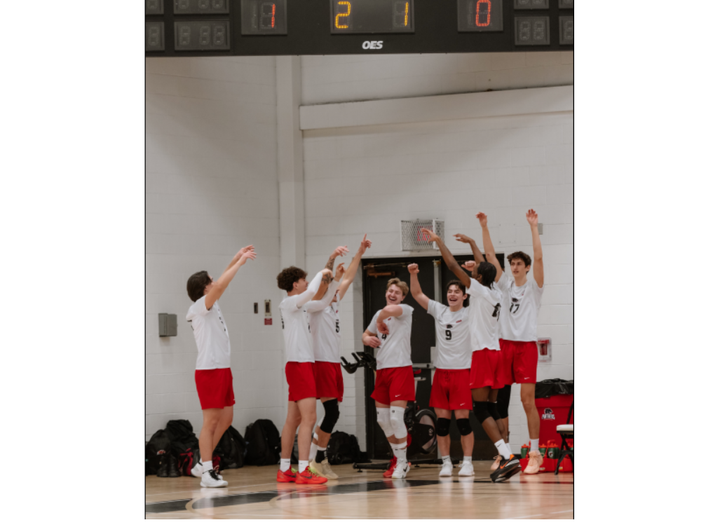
402,285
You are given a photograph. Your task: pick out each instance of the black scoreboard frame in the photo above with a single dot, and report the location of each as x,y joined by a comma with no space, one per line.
308,32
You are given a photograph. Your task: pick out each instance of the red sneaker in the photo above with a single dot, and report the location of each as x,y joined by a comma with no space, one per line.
389,472
286,476
308,477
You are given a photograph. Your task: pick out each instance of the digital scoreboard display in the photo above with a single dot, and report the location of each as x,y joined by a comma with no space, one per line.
317,27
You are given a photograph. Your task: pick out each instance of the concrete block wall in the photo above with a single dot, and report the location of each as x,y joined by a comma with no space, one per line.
212,188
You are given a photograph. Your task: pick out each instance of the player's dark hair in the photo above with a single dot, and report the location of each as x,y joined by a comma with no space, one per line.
486,274
288,276
522,256
196,284
456,283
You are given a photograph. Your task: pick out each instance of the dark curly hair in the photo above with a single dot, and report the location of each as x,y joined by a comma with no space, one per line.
522,256
486,274
196,284
288,276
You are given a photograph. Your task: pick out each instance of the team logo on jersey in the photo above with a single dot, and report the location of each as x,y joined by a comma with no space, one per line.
515,300
460,321
449,326
548,414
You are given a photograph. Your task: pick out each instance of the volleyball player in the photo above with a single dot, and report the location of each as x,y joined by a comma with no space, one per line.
213,376
389,332
299,369
484,317
518,321
451,382
324,319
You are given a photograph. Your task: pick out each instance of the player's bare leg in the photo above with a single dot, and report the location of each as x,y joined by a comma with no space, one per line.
527,397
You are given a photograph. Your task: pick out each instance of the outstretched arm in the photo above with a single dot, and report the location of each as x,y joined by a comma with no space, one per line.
320,281
538,269
449,259
339,251
488,246
352,269
479,257
324,296
224,280
415,289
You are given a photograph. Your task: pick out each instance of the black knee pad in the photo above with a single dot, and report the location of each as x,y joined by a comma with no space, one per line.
492,407
503,401
482,411
443,427
332,414
464,426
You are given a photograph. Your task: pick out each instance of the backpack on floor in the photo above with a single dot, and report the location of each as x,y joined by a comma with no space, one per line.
263,443
230,450
180,433
157,446
344,449
187,460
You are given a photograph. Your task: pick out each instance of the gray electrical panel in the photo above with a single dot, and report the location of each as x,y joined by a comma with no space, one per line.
167,325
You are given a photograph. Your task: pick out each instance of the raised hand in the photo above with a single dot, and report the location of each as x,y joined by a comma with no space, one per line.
463,238
482,218
429,235
339,251
339,271
532,217
364,244
248,254
413,268
382,327
469,265
242,251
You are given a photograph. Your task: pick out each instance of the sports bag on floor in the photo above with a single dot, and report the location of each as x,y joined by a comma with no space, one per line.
231,449
263,443
157,446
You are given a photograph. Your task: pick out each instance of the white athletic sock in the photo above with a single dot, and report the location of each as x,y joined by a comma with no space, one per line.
302,465
507,445
534,444
284,465
446,458
313,450
467,458
207,466
400,452
502,449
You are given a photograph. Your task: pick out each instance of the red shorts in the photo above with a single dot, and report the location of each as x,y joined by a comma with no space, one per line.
505,371
483,371
300,379
214,388
328,380
394,384
451,390
524,361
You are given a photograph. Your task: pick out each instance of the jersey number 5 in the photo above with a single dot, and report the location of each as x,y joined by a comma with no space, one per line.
337,325
496,311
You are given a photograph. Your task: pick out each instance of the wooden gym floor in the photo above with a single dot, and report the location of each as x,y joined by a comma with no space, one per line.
253,493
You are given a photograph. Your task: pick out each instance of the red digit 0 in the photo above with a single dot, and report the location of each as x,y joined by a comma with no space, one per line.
477,13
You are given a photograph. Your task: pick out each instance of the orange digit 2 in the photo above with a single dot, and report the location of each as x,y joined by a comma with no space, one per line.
337,18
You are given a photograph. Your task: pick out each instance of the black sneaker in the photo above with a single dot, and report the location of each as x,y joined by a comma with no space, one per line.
163,468
506,469
173,469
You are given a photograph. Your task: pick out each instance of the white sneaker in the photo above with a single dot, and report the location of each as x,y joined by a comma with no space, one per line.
446,470
197,471
401,470
327,470
467,470
210,479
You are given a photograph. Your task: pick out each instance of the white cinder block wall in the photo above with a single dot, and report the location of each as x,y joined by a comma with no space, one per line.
212,188
368,178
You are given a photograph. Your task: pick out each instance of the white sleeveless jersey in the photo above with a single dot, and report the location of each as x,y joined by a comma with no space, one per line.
452,330
394,350
485,307
520,306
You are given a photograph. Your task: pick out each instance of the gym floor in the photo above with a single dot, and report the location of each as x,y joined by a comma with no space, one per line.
253,493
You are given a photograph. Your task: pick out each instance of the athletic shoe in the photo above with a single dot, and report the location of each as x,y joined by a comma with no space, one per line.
286,476
391,468
197,471
211,480
535,460
506,469
308,477
173,470
496,464
467,470
323,469
446,470
401,470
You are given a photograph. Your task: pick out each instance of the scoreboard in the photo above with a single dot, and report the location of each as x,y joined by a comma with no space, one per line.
317,27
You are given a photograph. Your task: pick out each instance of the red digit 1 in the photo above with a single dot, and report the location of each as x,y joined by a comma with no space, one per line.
487,15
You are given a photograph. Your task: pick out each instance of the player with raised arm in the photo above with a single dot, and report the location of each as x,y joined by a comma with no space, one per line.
213,376
451,382
518,321
324,318
389,332
484,323
299,369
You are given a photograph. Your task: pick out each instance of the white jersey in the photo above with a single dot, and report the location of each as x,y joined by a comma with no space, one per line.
211,335
452,330
298,342
485,308
520,306
324,322
394,349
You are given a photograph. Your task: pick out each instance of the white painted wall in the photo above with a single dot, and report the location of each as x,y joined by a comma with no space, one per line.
212,187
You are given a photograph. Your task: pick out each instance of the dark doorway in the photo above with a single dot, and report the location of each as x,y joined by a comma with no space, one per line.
376,273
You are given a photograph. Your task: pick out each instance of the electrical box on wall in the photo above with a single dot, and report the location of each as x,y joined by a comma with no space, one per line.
544,349
167,325
268,312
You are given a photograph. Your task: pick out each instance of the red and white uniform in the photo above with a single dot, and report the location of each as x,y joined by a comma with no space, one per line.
213,377
451,379
324,319
518,322
394,379
485,305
